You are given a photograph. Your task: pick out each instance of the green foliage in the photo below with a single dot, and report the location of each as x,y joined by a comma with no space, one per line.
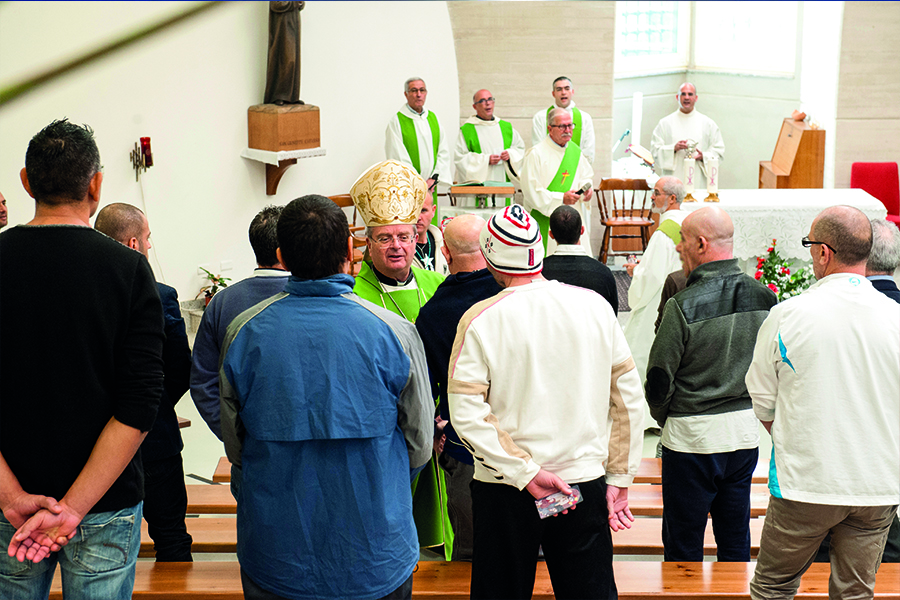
775,272
215,282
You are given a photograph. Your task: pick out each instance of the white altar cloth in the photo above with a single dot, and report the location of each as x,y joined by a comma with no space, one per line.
785,214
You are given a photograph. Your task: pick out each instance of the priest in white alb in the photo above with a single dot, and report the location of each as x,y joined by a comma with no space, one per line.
648,276
553,173
583,133
414,136
488,148
675,133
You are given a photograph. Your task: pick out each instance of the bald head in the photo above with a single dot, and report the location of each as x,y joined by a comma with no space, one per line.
126,224
461,248
707,235
847,230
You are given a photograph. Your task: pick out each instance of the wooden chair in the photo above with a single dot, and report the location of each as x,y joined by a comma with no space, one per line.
358,232
624,204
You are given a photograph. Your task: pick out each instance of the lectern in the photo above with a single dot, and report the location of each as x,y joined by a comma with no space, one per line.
798,160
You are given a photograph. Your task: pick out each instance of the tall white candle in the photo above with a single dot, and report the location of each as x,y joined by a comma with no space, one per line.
712,172
689,165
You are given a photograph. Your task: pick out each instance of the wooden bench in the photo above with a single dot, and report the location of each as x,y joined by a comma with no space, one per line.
211,534
650,471
644,500
219,534
435,580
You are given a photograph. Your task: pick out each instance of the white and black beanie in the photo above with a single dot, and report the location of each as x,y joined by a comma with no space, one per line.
511,242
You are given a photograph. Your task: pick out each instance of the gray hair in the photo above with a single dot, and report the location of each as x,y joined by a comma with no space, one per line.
885,254
555,113
370,231
672,186
409,81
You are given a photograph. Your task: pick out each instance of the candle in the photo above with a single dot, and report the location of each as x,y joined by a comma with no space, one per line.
689,166
712,171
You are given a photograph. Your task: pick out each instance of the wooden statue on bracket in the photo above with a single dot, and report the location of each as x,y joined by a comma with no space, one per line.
283,65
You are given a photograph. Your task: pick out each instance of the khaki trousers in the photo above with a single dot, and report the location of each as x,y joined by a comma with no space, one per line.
792,534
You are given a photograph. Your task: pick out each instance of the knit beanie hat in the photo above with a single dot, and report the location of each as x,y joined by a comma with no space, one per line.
511,242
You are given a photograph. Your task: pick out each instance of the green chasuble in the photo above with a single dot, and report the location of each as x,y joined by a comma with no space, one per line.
470,135
411,142
576,120
562,182
429,489
671,229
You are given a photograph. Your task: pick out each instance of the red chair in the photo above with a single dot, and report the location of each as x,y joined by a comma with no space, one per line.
880,180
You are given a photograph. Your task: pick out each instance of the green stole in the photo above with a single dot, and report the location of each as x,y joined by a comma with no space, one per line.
671,229
576,120
470,135
411,142
561,183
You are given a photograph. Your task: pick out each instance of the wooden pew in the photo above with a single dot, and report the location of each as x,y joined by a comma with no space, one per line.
223,471
219,535
644,500
650,471
211,534
435,580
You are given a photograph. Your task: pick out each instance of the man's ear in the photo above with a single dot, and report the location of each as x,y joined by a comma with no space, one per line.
582,231
446,254
93,195
23,175
350,248
132,243
279,257
550,233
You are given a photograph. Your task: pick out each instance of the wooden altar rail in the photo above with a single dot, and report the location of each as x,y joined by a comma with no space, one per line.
635,580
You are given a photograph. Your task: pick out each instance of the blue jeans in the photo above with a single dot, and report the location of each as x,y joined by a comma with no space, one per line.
98,563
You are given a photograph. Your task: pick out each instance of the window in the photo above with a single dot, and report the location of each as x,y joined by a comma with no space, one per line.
735,37
651,36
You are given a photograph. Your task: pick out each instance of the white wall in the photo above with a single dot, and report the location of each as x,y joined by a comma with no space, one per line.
820,63
189,88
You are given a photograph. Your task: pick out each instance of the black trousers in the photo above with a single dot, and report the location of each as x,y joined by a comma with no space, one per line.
165,502
508,533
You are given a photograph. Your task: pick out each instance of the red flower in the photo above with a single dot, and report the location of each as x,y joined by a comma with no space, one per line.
785,271
773,288
759,261
771,249
758,275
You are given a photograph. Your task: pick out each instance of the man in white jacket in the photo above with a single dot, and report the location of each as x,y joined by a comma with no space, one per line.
488,148
544,394
825,379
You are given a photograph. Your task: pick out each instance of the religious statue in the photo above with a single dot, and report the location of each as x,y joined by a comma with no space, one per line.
283,66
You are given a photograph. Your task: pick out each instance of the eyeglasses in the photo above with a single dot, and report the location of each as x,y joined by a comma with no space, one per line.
808,242
386,240
483,100
569,126
416,90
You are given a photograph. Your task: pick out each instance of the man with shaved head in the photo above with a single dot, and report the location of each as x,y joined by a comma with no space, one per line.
696,391
825,379
488,148
469,282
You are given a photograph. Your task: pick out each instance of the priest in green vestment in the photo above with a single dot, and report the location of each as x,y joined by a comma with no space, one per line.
389,198
553,172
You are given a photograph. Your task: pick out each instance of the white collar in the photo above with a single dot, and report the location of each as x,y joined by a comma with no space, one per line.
268,272
569,250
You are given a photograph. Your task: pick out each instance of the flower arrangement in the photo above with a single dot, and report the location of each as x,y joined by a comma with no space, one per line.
775,273
215,282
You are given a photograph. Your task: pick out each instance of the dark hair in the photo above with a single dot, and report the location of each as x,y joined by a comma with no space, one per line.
565,223
120,221
264,236
560,78
312,235
61,161
848,231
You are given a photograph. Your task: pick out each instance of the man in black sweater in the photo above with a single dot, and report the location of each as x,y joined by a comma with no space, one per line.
570,264
469,283
165,497
82,372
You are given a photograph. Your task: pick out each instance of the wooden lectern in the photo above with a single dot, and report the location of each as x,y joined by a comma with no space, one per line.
798,160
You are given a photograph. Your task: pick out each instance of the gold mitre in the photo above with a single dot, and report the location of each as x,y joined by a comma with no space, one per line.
389,193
